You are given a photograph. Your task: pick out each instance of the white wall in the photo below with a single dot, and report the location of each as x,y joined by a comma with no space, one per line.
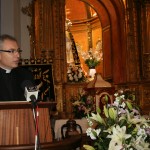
24,21
7,17
14,22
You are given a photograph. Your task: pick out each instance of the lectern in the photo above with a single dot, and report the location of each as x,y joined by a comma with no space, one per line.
17,125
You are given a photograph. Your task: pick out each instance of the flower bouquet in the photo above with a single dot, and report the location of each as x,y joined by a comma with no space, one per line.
121,128
92,58
75,74
83,104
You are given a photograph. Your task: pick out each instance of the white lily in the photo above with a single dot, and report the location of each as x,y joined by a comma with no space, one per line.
93,133
119,135
122,124
115,145
140,144
132,120
97,118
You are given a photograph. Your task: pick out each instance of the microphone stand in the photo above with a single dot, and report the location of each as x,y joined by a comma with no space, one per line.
36,120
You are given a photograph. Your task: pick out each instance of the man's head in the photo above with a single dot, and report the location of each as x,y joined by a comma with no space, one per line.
9,52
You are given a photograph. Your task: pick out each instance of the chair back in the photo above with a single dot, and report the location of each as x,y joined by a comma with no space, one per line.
70,128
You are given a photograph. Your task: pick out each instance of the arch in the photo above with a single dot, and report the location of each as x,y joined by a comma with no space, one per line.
112,17
101,100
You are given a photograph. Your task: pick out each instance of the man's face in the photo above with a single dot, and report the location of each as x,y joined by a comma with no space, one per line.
9,60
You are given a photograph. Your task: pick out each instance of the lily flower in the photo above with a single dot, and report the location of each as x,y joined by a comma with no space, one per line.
119,135
97,118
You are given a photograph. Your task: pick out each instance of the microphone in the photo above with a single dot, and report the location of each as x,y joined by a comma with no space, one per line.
30,91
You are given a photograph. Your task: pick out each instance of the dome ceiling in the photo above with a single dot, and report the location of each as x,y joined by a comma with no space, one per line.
77,10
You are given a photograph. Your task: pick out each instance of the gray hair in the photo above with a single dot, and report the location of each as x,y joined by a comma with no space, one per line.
6,37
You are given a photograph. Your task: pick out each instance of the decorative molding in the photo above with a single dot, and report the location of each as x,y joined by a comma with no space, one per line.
35,61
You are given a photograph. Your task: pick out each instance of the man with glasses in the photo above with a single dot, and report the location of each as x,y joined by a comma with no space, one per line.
12,77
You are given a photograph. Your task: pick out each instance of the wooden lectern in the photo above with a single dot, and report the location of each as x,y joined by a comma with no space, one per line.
17,125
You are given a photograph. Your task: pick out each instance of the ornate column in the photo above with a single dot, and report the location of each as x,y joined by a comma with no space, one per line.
48,39
60,62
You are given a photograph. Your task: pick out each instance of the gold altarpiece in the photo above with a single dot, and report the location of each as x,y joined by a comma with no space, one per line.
126,39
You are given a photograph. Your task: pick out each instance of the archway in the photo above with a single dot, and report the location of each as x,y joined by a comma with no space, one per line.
111,14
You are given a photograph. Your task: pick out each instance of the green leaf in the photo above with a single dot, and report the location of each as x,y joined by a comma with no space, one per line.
106,111
112,113
129,105
91,62
106,98
88,147
98,110
123,122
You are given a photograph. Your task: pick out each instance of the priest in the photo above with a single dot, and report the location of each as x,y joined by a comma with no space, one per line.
13,78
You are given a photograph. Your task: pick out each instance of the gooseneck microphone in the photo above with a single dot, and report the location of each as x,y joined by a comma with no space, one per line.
31,95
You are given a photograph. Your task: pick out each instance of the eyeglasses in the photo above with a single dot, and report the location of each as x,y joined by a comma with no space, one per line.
12,51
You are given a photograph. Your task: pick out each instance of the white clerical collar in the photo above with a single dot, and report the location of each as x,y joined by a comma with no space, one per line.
7,70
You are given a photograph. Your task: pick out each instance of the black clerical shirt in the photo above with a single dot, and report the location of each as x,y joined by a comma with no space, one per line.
11,84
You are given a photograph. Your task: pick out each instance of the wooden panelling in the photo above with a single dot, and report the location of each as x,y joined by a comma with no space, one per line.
17,124
71,90
145,99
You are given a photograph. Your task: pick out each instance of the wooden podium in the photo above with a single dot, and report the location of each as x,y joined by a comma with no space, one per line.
17,125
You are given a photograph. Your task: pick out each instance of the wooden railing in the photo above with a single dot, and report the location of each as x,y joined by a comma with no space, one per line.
70,143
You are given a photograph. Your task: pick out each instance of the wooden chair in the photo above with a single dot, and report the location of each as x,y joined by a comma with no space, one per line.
71,128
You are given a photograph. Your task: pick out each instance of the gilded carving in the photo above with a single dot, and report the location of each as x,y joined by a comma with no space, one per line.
43,76
50,43
58,90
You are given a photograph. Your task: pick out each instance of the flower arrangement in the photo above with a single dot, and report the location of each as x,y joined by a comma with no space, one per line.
83,104
121,128
75,74
92,58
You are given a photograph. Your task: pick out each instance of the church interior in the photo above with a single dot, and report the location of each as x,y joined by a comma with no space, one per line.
60,37
119,30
